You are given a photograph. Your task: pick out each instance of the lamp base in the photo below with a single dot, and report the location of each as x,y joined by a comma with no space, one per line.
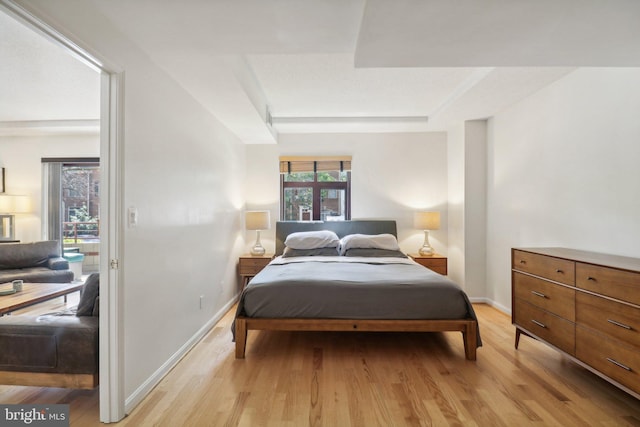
7,227
257,251
426,251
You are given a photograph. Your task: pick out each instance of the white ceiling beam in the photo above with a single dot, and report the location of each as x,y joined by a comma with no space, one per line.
350,124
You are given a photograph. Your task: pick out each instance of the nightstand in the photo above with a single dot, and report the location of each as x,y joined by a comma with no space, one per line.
250,265
435,262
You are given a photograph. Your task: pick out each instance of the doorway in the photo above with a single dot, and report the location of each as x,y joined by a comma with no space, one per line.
111,328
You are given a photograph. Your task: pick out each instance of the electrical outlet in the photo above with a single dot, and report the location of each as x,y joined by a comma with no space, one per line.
201,301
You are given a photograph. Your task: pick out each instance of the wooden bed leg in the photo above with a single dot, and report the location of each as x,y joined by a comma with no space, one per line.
470,340
241,337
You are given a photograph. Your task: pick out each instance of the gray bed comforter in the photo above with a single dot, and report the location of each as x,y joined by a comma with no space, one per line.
352,288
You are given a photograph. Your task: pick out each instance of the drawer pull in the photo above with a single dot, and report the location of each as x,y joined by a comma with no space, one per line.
559,271
523,261
622,325
619,364
542,325
538,294
591,278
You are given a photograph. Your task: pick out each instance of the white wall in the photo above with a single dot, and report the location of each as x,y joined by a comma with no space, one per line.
475,196
184,172
393,175
456,199
467,148
21,157
563,171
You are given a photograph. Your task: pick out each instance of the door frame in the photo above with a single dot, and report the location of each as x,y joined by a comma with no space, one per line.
111,363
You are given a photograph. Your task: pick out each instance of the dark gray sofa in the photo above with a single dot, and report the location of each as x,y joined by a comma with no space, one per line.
34,262
53,350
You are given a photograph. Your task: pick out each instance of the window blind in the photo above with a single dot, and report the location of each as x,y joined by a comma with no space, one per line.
314,164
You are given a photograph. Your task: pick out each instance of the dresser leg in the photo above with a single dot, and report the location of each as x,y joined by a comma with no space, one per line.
517,337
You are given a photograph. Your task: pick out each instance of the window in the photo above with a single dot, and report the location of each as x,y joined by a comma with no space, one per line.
72,200
316,188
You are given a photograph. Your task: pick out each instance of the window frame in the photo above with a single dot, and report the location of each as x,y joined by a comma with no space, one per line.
52,203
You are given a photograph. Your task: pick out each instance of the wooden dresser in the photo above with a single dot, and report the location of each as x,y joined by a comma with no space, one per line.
585,304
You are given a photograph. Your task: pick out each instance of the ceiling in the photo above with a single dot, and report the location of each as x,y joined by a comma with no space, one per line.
332,65
41,86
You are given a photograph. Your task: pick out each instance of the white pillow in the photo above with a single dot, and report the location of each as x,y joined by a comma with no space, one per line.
312,240
369,241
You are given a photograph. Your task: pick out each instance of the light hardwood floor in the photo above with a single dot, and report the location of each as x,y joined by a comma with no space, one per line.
366,379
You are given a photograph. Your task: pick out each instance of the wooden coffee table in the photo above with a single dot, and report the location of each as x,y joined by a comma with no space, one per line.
34,293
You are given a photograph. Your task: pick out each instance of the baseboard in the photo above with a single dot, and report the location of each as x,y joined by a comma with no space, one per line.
141,392
492,303
480,300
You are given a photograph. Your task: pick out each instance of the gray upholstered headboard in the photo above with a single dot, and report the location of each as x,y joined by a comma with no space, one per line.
341,228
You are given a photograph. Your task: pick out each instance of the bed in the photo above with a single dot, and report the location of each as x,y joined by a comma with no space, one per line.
359,283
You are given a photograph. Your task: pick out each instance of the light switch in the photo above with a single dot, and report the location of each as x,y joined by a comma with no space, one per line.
133,216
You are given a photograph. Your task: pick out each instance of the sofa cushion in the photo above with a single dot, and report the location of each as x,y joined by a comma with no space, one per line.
96,307
28,350
22,255
57,263
36,275
49,343
89,296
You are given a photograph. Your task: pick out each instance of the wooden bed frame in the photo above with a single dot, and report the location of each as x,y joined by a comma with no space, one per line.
243,324
468,327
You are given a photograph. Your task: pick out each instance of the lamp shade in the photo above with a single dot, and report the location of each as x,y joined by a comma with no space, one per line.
13,204
427,220
257,220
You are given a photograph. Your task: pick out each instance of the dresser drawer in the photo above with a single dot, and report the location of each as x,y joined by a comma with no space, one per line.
610,357
559,270
546,295
551,328
617,320
618,284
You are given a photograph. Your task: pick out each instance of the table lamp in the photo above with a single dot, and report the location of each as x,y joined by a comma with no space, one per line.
257,220
426,221
9,206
